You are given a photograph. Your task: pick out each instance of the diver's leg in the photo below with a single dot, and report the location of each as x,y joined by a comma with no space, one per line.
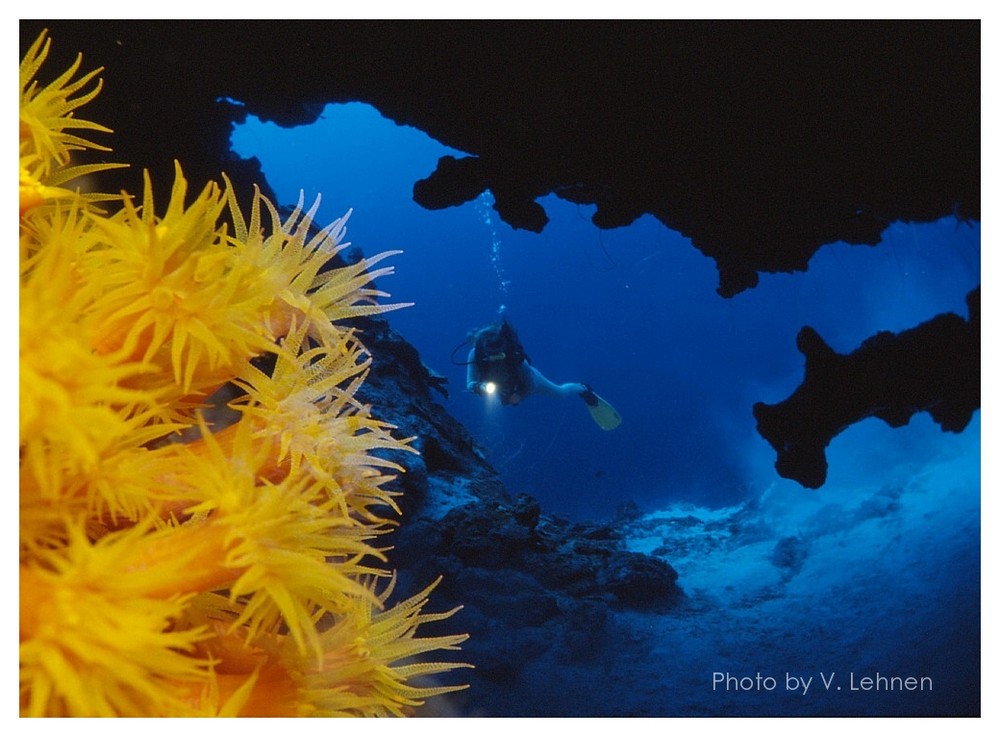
541,385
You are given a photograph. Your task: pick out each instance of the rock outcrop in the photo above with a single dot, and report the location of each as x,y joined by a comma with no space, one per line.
933,368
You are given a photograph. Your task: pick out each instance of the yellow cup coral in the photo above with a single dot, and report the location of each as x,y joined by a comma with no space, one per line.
230,574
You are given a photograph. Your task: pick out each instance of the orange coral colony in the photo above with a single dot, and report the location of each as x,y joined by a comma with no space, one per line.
233,574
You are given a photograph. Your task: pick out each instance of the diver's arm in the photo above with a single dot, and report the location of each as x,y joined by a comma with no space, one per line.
472,377
541,385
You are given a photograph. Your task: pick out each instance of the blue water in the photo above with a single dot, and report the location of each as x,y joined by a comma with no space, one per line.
633,312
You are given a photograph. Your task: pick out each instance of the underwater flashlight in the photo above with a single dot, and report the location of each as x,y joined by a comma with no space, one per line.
490,387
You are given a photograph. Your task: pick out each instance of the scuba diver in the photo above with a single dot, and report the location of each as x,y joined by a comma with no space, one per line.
498,365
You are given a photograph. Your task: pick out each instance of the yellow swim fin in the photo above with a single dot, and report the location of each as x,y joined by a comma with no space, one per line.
606,416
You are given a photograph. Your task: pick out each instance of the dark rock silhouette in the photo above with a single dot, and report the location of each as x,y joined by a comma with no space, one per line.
761,141
934,368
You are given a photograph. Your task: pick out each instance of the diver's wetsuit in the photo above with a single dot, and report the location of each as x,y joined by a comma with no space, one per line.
515,383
